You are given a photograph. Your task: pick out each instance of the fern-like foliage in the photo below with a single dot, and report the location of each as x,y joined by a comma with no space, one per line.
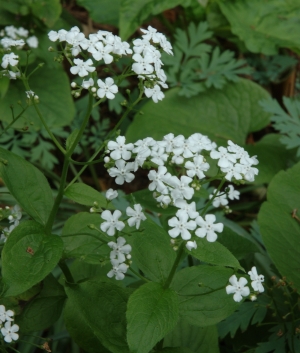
195,66
288,124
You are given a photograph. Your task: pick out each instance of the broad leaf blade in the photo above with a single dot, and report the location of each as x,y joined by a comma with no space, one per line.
152,312
27,184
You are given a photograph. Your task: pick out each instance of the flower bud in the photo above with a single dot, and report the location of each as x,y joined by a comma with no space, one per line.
93,89
73,84
106,159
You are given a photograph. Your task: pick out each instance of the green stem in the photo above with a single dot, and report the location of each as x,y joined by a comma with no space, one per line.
66,271
175,265
214,196
13,121
108,136
92,169
138,275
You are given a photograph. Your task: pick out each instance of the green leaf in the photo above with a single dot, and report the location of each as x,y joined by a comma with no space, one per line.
175,350
287,124
44,309
36,254
86,195
214,253
102,307
4,84
264,25
228,114
152,252
88,246
197,339
31,190
265,150
134,12
48,11
152,312
205,304
56,105
239,246
241,318
102,11
280,231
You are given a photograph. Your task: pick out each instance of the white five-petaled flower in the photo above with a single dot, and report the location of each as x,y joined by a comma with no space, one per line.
232,193
5,315
9,59
220,199
256,280
181,225
107,89
238,288
197,168
111,194
112,222
181,190
119,249
118,270
158,179
136,216
9,332
119,149
155,93
122,172
208,228
82,68
224,157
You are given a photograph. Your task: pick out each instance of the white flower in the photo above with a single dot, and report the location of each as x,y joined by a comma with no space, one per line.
220,199
118,270
181,187
181,225
197,167
233,194
151,34
99,52
191,245
16,214
5,315
122,172
256,280
223,156
111,194
165,45
158,179
32,42
107,89
11,74
88,83
238,288
233,171
143,146
208,228
158,155
142,65
119,249
136,216
119,149
112,222
155,93
82,68
189,208
29,94
6,231
249,172
9,59
22,32
164,200
9,332
54,36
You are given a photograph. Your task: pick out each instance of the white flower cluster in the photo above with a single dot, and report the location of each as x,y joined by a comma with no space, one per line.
169,189
14,37
105,46
110,225
118,258
14,218
235,162
239,288
8,331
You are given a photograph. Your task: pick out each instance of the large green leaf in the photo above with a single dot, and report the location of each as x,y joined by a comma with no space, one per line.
225,114
85,195
27,184
197,339
152,312
202,296
48,11
87,246
134,12
44,309
264,25
102,11
280,231
28,256
214,253
56,105
152,252
102,307
272,157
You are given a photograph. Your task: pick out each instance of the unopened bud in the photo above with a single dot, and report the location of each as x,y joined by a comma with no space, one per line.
50,49
106,159
94,89
73,84
77,94
128,256
92,226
